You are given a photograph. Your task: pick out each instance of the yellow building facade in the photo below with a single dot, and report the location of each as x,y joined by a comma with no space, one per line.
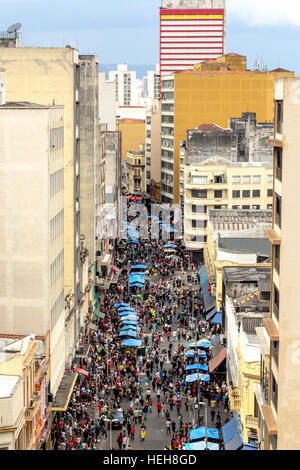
222,186
242,397
133,134
195,97
135,171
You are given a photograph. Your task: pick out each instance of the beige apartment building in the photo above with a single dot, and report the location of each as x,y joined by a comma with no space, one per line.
52,76
32,220
153,151
221,184
279,420
135,169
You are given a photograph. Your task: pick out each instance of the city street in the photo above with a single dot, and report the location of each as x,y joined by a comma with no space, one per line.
162,309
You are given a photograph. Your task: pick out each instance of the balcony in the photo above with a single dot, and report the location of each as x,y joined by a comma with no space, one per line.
251,421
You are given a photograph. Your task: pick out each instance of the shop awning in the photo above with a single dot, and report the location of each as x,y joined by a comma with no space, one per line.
217,359
64,392
117,270
82,371
232,434
217,320
129,322
249,447
211,313
120,305
130,333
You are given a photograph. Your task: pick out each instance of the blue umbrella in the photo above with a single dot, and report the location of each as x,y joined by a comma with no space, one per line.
197,366
200,433
203,343
125,314
134,343
191,353
129,322
201,445
125,328
197,376
139,266
126,309
137,285
129,333
120,305
130,317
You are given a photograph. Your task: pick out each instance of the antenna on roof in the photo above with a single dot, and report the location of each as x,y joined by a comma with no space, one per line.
14,28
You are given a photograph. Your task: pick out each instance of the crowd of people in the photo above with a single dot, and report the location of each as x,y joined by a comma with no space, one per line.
151,380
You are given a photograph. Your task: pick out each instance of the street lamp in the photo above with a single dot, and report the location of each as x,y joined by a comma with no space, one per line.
205,404
110,420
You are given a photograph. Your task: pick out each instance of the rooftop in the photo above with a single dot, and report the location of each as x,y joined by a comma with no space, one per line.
246,273
7,385
210,127
25,104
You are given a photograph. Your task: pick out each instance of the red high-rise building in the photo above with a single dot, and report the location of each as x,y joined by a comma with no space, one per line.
190,35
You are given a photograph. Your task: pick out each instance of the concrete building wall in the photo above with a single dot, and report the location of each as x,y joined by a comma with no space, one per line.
2,86
44,75
285,379
32,214
107,102
89,149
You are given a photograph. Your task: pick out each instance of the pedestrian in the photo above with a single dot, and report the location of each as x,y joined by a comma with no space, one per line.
132,432
158,407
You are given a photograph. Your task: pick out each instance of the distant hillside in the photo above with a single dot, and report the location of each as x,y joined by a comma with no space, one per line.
141,70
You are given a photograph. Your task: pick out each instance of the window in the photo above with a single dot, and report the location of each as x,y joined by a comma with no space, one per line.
277,258
246,193
278,211
270,178
246,179
236,207
257,207
278,168
194,223
236,194
199,209
256,179
236,179
256,193
279,116
274,392
276,301
269,192
218,194
246,207
199,179
275,351
270,206
199,193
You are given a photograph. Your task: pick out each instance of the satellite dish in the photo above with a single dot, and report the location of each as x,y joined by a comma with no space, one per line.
14,28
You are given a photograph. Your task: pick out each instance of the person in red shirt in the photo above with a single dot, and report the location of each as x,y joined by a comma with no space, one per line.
158,406
175,445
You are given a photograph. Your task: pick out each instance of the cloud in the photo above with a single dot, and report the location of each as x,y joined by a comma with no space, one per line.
265,12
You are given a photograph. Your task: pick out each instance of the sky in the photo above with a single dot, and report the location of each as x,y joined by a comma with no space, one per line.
128,30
